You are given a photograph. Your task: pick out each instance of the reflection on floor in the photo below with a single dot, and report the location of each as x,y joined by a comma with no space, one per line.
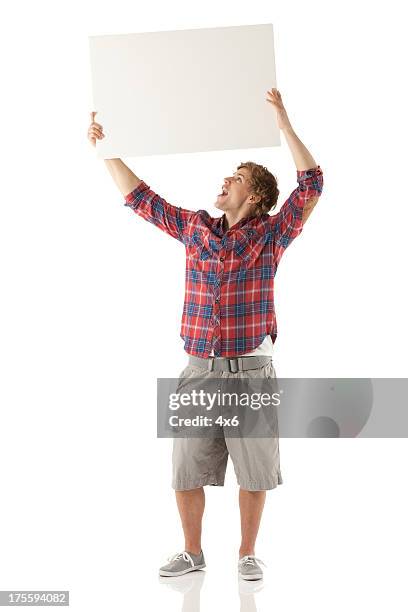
190,586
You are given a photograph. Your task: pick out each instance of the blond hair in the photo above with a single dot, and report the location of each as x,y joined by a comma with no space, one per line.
264,184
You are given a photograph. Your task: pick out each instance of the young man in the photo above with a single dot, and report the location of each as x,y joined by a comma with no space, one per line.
229,324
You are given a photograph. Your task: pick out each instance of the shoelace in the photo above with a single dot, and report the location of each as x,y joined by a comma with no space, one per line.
184,555
250,560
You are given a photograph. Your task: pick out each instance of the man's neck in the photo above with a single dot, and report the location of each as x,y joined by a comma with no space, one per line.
231,219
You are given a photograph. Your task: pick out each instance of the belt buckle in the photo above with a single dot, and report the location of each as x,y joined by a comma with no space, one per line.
235,360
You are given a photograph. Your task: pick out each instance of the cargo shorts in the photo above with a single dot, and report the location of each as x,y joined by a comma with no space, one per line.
197,462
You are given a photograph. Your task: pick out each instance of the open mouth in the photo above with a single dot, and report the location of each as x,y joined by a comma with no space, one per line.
223,194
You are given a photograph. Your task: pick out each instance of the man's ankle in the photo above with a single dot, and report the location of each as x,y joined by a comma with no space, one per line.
246,552
193,550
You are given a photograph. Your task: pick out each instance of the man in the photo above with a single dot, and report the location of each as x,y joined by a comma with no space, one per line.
229,324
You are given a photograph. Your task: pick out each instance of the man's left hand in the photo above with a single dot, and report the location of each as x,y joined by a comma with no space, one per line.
275,99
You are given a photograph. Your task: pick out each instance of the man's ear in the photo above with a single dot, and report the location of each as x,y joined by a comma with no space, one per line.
254,199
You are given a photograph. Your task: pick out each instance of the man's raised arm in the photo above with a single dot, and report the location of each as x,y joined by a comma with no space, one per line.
302,157
124,178
139,197
289,221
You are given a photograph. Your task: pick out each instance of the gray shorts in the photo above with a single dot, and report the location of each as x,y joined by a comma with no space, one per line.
203,461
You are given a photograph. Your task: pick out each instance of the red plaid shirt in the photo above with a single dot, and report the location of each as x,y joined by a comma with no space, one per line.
229,283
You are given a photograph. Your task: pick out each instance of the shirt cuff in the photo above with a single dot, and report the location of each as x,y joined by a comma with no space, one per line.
132,198
302,174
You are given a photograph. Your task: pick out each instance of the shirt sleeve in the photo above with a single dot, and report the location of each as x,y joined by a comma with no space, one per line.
287,223
153,208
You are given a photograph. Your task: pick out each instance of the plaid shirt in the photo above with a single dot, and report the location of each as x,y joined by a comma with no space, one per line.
229,282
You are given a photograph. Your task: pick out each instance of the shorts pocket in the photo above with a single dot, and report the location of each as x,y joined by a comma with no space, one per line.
196,370
190,371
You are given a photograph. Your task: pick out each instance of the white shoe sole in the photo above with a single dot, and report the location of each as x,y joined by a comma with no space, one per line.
186,571
252,577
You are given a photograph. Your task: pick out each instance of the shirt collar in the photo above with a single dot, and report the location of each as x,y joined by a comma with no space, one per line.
238,225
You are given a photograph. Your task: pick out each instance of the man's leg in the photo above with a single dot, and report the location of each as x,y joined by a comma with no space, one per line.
256,463
191,508
251,505
197,462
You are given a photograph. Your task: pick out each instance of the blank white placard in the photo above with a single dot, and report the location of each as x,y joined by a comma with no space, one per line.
184,91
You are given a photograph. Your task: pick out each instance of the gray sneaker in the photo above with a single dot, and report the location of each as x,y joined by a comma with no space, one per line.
182,563
249,569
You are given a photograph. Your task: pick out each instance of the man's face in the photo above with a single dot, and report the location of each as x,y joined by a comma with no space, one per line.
235,194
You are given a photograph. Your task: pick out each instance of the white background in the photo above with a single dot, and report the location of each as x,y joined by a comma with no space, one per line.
91,307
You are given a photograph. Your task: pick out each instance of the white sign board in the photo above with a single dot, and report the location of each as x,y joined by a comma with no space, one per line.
184,91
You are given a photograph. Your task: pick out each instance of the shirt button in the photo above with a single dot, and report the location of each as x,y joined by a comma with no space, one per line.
217,300
221,258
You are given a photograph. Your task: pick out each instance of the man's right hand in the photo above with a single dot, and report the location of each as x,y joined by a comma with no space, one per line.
125,179
95,130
